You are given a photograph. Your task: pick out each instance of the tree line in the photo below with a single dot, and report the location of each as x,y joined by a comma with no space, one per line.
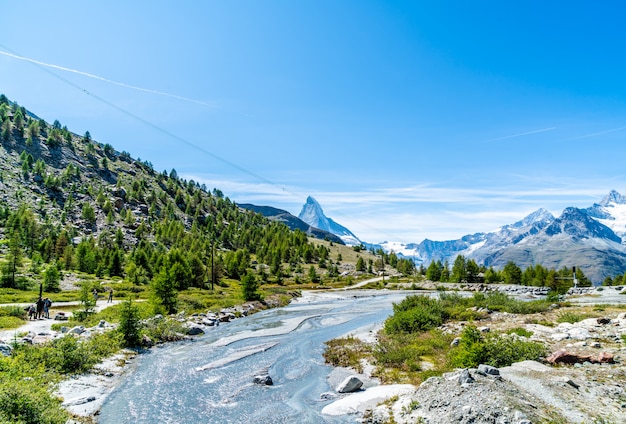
466,270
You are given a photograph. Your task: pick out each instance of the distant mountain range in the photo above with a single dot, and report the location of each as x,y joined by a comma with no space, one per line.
590,239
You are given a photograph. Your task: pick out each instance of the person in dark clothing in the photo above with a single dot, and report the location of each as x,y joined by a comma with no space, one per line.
46,308
110,300
39,308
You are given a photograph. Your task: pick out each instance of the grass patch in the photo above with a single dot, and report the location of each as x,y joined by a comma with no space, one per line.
573,317
522,332
347,352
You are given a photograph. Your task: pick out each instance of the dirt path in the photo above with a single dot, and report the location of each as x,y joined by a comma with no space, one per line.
360,284
44,325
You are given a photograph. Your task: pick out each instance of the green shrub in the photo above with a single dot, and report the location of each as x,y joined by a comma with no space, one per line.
492,349
520,332
8,322
23,401
12,311
415,314
164,329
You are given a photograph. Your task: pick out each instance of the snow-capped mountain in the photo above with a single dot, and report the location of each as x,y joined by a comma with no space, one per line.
588,238
313,215
611,211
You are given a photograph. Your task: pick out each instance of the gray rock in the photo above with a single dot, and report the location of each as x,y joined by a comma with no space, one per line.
488,370
465,377
264,380
79,329
350,384
194,331
5,349
328,396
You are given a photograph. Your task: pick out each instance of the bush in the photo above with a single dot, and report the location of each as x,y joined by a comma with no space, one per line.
23,401
496,350
415,314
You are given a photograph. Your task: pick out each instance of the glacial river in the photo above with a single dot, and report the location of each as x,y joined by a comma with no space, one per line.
209,380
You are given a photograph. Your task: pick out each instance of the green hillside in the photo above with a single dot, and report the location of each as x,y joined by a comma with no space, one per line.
73,207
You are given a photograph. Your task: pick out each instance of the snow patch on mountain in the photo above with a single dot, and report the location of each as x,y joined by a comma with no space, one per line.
313,215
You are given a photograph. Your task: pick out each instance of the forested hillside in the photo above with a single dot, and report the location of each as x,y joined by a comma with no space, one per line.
71,204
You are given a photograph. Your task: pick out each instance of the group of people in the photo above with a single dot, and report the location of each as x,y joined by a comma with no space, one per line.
39,309
109,298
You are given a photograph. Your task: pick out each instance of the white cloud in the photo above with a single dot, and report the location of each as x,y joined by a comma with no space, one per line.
414,212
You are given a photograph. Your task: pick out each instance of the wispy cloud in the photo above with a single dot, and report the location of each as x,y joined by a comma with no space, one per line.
599,133
107,80
412,213
520,134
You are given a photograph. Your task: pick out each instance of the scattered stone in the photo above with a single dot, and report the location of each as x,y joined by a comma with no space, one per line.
5,349
264,380
328,396
465,377
194,331
146,341
350,384
488,370
60,316
455,342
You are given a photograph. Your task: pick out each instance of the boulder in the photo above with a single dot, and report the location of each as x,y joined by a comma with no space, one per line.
5,349
465,377
264,380
350,384
564,357
194,331
488,370
60,316
146,341
79,329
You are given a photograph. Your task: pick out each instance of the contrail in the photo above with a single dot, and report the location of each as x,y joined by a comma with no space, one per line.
519,135
121,84
599,133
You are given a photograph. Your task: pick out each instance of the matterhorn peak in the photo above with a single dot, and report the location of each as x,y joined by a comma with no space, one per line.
313,215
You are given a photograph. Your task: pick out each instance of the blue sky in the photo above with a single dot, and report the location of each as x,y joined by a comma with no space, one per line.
405,119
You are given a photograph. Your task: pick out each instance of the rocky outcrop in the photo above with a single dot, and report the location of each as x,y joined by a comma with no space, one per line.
350,384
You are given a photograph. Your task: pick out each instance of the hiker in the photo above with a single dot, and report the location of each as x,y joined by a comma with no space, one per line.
46,308
110,300
31,311
95,295
39,312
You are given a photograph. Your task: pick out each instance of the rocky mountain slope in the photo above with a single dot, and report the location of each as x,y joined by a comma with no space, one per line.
590,239
292,222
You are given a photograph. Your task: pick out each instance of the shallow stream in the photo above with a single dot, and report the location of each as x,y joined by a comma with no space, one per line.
209,380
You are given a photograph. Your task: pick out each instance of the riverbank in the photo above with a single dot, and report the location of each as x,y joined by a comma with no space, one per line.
581,381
